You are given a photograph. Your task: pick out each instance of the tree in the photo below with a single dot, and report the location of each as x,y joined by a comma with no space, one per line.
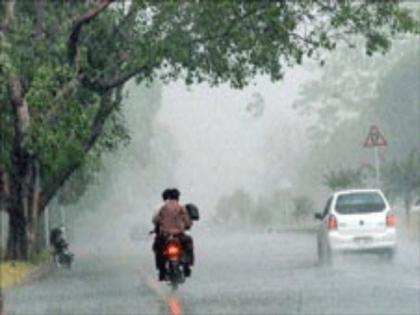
344,178
387,95
354,92
397,105
63,66
402,179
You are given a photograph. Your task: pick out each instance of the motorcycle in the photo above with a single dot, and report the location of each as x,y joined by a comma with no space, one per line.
62,256
175,262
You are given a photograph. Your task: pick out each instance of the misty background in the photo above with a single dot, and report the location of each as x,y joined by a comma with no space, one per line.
265,148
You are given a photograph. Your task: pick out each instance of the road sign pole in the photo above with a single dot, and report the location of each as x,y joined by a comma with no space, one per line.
377,166
375,139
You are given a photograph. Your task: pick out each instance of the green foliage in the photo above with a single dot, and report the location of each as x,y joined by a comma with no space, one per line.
344,178
401,179
354,92
59,125
7,133
114,135
77,185
72,84
6,118
232,41
397,105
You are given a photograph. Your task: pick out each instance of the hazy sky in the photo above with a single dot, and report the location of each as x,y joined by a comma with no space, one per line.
222,146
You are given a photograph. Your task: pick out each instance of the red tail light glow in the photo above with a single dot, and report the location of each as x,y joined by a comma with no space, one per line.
391,219
332,223
172,250
174,306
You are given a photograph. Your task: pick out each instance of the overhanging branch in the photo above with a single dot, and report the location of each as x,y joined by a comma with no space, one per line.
39,13
56,182
104,85
9,6
79,22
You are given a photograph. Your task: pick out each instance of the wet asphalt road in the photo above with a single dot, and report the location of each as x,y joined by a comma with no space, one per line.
240,273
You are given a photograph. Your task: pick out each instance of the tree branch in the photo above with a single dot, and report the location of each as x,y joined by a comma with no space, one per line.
20,108
57,105
130,17
103,85
54,184
79,22
19,156
39,12
9,6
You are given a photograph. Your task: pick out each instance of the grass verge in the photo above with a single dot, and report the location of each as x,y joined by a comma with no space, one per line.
14,273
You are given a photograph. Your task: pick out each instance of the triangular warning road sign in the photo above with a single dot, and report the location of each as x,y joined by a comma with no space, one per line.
375,138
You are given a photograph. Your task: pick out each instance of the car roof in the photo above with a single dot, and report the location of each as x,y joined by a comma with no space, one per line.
360,190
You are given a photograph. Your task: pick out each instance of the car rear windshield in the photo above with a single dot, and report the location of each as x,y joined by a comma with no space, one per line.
359,203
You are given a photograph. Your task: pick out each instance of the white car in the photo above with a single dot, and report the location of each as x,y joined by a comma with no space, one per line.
356,221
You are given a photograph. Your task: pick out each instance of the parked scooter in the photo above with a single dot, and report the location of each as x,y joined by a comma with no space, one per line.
61,254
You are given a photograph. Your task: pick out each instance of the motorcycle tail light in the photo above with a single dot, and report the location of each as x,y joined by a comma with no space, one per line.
172,250
391,220
332,223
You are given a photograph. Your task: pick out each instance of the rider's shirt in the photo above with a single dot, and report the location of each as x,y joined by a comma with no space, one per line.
172,218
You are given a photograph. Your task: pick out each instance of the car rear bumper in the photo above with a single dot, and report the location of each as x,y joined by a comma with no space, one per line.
363,242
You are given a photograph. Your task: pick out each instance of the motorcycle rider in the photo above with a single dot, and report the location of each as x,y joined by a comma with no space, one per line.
58,241
172,219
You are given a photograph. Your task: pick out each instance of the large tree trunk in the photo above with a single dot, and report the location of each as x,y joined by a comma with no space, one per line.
23,221
22,177
23,210
17,208
33,207
17,243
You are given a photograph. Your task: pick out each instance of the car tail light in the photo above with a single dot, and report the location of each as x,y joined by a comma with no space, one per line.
390,219
332,223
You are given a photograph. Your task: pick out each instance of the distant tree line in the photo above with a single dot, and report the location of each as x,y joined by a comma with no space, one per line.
240,208
400,179
64,64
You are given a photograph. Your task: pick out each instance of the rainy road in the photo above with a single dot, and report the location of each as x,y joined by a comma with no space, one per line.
235,274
